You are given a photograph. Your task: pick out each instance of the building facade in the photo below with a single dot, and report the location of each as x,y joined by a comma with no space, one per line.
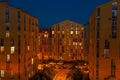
45,43
86,41
104,44
67,41
18,43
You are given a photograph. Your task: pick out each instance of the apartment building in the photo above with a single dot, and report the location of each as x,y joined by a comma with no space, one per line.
104,44
18,43
45,43
67,41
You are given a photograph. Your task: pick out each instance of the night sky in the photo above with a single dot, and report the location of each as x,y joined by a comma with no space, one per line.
50,12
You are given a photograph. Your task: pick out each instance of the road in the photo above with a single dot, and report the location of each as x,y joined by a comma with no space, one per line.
61,75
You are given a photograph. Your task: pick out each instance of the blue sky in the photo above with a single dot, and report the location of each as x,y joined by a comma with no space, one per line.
50,12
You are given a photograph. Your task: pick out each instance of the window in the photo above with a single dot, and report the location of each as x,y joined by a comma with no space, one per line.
106,48
97,44
52,32
113,68
8,58
2,73
97,69
82,28
12,42
114,6
7,34
2,49
28,47
107,44
80,43
7,26
12,49
98,28
73,43
24,23
32,61
46,35
63,49
60,42
76,43
98,12
106,53
76,27
62,32
114,19
71,32
18,16
76,32
7,15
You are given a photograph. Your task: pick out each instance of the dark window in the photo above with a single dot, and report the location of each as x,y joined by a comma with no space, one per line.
60,41
12,42
98,11
63,49
7,28
71,50
97,55
7,15
29,23
114,6
18,44
97,44
114,35
18,16
113,68
18,26
98,22
107,44
1,42
97,50
24,23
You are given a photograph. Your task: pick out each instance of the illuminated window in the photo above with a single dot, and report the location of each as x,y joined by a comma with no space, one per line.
32,61
71,32
2,49
80,44
46,35
7,33
62,32
12,49
2,73
28,48
8,58
76,32
52,32
73,43
76,43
